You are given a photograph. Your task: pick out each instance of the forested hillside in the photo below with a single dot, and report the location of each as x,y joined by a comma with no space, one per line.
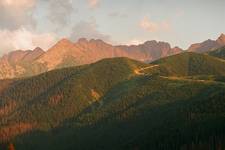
190,64
118,103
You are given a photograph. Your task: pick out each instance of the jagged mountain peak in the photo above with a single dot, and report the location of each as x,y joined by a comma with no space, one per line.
208,45
64,41
222,35
150,42
177,49
221,39
96,40
82,40
37,49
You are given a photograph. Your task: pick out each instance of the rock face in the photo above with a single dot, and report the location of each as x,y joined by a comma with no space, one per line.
14,64
88,51
208,45
221,39
33,55
150,50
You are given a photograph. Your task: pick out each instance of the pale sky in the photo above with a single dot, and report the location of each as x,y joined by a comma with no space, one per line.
25,24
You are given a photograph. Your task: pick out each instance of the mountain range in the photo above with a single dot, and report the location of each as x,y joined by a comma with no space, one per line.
65,53
118,103
208,45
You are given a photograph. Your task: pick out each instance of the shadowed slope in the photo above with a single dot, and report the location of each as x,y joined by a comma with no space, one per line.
220,53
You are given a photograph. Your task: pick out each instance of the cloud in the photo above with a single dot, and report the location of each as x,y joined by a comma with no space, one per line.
59,12
117,14
88,30
24,39
19,13
138,40
149,25
165,25
152,26
18,4
135,42
16,13
179,13
93,3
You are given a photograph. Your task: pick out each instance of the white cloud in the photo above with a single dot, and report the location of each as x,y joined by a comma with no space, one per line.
93,3
149,25
59,12
24,39
152,26
16,13
138,41
179,13
18,4
165,25
117,14
135,42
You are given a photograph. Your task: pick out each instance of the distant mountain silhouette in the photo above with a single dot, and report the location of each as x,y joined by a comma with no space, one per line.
208,45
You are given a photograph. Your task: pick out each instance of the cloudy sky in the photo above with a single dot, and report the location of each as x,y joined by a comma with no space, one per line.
25,24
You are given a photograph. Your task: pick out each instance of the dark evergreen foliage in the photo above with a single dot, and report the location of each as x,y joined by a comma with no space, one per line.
107,105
